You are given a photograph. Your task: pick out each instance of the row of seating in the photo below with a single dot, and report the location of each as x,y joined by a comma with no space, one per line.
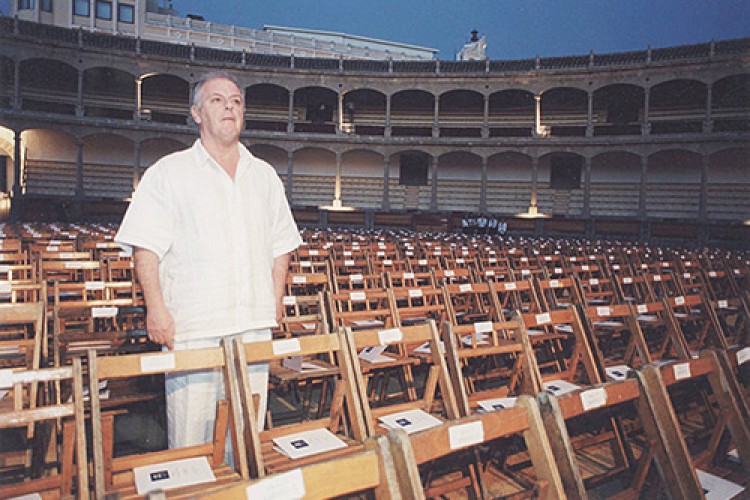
445,424
524,337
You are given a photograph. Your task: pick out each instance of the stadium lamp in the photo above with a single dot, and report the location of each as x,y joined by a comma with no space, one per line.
533,211
336,206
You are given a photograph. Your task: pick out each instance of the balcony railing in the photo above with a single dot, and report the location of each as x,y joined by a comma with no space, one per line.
15,28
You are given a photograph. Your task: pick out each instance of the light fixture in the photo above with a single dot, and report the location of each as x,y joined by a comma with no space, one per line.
532,213
336,206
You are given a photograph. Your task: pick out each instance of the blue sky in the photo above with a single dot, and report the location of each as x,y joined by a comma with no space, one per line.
515,29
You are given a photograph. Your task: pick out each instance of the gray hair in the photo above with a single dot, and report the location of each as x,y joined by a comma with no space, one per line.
207,77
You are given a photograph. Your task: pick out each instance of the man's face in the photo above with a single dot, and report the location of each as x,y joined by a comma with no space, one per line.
220,112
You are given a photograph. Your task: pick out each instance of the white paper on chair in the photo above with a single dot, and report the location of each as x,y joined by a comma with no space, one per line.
481,339
297,364
6,378
560,387
743,355
410,420
174,474
287,485
30,496
425,348
367,323
304,444
374,354
716,488
617,372
497,404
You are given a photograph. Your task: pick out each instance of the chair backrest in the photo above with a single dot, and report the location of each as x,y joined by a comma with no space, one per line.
469,303
398,343
362,309
487,362
562,350
130,366
303,315
20,409
344,417
366,472
462,436
418,304
514,296
556,294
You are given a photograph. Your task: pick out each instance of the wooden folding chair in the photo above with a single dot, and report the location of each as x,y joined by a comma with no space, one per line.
362,309
307,283
487,363
632,289
711,409
617,339
418,304
116,474
698,323
514,296
368,360
368,473
469,303
67,471
408,279
651,431
343,418
437,458
561,348
556,294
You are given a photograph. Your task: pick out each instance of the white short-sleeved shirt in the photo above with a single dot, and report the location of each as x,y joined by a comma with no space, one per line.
216,239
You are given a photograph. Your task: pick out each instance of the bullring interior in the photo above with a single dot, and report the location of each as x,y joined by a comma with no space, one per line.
590,343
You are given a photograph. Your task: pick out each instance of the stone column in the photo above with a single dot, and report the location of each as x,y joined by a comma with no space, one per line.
387,131
587,187
703,199
79,100
15,204
17,86
646,125
590,116
434,180
337,183
79,193
136,165
642,190
290,117
340,114
708,122
138,98
486,118
386,205
538,115
290,177
483,191
17,187
436,118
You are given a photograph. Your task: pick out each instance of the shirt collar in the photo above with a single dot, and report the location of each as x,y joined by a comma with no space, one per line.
203,158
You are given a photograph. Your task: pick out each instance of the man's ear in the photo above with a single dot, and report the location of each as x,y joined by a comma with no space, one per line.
194,113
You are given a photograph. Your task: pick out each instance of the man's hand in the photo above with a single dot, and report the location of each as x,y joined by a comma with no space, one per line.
160,326
279,310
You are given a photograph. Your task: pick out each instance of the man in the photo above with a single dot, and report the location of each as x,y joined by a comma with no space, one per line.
211,232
